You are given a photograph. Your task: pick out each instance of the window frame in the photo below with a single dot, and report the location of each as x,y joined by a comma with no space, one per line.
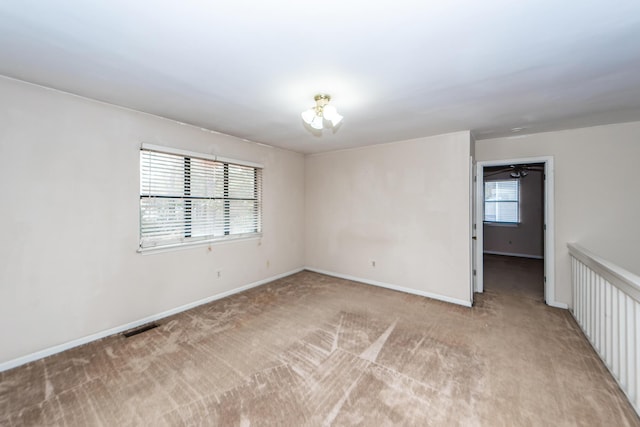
147,244
497,202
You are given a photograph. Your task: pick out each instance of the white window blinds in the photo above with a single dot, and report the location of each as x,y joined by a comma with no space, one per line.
501,201
186,199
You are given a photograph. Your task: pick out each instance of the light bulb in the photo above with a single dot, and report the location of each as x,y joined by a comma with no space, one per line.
336,119
329,112
316,123
309,115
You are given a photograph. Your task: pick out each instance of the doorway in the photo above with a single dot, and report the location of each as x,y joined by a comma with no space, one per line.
508,214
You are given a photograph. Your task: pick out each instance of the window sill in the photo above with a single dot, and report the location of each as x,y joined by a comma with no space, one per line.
193,245
502,224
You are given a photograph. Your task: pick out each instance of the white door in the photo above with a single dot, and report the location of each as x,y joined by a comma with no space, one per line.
474,249
478,212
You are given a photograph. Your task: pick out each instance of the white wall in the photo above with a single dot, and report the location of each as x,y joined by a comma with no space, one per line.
527,238
69,182
69,214
404,205
596,190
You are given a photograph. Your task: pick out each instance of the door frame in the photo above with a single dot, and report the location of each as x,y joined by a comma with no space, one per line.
549,224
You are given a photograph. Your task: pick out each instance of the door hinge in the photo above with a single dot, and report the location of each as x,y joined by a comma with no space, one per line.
474,271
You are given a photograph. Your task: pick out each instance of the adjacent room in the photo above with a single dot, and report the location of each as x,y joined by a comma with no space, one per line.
347,213
513,229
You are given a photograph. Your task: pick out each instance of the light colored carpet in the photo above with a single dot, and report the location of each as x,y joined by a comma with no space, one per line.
312,350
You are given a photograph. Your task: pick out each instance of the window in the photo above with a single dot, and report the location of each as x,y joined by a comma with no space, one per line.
188,198
501,201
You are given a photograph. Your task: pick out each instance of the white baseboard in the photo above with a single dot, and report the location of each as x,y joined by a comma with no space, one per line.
514,254
118,329
393,287
558,304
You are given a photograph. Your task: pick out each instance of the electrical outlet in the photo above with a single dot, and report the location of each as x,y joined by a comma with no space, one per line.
219,274
373,263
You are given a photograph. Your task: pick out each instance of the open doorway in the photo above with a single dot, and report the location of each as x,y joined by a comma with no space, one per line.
513,235
513,229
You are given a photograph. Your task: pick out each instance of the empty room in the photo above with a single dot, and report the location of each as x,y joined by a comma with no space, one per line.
331,214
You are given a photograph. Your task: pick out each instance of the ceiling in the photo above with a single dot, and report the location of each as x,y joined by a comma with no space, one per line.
396,69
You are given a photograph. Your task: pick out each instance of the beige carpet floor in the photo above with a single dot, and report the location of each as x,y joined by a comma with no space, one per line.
312,350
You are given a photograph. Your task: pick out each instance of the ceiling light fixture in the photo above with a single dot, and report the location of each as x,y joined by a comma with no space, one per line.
519,174
316,116
519,171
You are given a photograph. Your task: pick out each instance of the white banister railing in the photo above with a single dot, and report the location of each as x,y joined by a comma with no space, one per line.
606,305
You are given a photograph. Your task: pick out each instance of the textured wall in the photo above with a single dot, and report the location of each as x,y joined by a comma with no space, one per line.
596,190
403,205
69,179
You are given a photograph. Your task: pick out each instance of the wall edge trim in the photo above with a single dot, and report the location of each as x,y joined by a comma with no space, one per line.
557,304
431,295
519,255
40,354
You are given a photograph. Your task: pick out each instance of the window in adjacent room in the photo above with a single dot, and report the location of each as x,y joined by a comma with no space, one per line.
188,198
501,201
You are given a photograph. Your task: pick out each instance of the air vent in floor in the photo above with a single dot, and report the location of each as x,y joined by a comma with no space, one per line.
139,330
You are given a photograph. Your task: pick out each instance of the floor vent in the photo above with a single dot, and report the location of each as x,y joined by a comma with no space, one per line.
139,330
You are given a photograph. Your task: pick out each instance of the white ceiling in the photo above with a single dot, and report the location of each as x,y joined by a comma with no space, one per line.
396,69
